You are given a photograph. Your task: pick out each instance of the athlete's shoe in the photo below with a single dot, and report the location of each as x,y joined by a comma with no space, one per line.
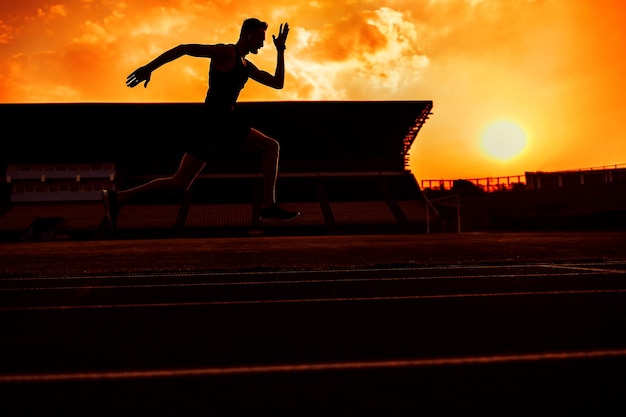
111,208
277,214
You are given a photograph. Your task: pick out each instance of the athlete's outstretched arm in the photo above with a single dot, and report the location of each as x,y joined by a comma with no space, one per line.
278,79
143,74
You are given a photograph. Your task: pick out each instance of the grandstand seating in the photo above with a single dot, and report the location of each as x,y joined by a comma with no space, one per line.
57,182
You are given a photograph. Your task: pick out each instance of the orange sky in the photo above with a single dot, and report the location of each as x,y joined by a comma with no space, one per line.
554,67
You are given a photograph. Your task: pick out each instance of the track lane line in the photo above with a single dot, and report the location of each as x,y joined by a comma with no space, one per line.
583,268
587,271
311,300
309,367
312,271
296,282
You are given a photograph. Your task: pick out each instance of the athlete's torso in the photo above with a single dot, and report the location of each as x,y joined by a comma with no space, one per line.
224,87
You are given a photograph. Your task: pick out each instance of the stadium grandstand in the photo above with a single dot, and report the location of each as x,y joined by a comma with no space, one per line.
579,198
344,165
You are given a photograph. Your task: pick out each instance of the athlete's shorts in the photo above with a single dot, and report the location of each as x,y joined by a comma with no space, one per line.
218,131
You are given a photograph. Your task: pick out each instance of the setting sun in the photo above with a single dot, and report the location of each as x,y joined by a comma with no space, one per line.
503,140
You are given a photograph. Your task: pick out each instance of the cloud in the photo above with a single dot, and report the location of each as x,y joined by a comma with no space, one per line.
162,21
6,32
51,84
371,54
350,37
94,33
52,12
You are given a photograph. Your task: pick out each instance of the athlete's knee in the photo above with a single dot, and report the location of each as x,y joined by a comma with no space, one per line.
273,147
178,183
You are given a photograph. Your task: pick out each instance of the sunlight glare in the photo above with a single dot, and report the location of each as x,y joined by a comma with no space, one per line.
503,140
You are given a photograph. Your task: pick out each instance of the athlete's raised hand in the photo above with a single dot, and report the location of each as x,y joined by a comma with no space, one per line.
279,42
138,76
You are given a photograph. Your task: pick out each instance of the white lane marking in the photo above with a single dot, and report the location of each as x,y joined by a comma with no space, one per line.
305,367
293,282
587,271
573,265
583,268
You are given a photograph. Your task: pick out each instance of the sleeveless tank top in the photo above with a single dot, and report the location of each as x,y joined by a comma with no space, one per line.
224,87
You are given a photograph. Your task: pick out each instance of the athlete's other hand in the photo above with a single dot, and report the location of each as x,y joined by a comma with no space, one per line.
279,42
140,75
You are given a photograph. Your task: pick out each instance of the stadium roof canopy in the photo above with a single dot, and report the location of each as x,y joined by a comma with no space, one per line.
314,135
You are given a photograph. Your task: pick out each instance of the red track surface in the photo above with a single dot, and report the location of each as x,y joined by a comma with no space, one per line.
487,324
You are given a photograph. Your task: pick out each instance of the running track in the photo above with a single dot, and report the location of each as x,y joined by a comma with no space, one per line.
531,333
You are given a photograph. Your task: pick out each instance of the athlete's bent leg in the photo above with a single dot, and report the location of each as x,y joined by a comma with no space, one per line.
189,168
270,151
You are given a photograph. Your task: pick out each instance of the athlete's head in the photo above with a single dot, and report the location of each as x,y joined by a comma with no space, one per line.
253,33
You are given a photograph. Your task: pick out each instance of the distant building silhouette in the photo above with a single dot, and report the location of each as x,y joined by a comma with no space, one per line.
576,178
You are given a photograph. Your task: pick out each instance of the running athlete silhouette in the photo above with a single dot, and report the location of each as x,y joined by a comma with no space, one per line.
228,73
